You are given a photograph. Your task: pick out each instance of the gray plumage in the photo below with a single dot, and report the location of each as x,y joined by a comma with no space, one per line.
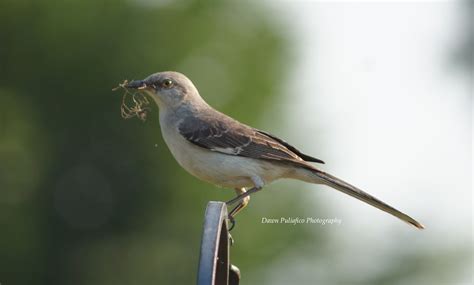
218,132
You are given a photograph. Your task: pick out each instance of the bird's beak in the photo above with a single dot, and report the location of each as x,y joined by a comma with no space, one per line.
136,84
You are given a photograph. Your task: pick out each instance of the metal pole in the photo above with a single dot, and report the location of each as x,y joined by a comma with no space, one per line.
214,260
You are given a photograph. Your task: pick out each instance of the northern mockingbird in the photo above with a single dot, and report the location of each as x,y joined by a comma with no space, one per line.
218,149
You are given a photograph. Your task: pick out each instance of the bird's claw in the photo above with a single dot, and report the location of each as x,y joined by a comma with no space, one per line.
231,221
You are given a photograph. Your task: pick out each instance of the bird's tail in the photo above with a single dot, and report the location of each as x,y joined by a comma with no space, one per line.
338,184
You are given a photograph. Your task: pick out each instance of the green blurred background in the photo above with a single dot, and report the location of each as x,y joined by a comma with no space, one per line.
89,198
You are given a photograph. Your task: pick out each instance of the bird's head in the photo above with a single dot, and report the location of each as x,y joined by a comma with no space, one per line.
169,89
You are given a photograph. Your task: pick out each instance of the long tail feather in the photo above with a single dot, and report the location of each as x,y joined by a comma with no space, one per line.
355,192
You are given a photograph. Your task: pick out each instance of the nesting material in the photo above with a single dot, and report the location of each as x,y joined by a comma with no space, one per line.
133,104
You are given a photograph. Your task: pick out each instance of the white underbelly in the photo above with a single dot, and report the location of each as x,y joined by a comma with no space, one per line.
217,168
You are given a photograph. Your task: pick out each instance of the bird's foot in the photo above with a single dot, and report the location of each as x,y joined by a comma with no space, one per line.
231,221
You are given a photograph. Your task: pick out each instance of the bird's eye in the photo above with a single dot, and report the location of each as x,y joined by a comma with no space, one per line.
167,83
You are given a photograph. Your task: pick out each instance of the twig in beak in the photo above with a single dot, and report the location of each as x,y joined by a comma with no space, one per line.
140,102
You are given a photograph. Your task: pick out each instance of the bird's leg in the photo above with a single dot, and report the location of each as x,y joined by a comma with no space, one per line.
242,204
244,195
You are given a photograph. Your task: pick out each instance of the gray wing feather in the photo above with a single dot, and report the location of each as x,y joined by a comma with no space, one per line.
305,157
228,136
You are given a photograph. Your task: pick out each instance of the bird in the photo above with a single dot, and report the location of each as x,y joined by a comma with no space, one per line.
227,153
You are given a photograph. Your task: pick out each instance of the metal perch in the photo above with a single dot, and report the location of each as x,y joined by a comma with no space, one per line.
214,260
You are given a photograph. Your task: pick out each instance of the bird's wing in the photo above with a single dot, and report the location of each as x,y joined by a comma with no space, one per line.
305,157
227,136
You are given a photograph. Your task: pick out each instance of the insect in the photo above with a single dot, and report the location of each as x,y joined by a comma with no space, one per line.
134,107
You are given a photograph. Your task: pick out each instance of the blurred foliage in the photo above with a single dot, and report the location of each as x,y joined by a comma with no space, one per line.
88,198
